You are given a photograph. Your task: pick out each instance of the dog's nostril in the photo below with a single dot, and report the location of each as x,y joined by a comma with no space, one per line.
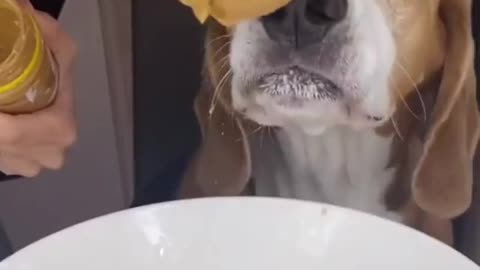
303,23
325,11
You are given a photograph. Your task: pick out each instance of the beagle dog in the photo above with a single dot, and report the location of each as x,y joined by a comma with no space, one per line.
365,104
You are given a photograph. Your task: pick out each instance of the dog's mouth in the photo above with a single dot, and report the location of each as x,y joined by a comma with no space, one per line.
299,84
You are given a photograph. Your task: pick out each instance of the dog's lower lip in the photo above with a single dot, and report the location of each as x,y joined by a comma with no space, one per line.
300,84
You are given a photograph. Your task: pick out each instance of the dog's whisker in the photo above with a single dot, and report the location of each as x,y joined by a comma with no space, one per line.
217,91
270,132
409,77
255,131
223,62
219,50
218,39
262,136
397,129
405,103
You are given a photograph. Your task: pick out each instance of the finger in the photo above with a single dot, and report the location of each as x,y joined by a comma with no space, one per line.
52,158
64,51
59,42
12,165
43,128
25,4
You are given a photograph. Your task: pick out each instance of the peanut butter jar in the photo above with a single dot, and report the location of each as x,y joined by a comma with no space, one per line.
28,71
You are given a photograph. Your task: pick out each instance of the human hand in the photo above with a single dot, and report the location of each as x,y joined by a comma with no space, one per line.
32,142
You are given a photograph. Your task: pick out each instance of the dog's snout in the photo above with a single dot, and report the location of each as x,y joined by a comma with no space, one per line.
304,22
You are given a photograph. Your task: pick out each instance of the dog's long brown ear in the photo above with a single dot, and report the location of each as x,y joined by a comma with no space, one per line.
442,183
221,166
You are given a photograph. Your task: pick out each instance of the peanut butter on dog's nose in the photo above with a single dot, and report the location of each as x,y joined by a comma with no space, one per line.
230,12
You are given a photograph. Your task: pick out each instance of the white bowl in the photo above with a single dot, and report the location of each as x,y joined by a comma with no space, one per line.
238,234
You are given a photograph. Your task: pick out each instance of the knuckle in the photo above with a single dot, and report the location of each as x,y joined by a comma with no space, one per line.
59,165
67,131
56,163
32,172
70,136
11,165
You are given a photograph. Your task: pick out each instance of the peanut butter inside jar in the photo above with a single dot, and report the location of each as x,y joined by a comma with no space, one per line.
28,74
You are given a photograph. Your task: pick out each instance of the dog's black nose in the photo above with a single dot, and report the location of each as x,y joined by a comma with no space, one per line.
304,22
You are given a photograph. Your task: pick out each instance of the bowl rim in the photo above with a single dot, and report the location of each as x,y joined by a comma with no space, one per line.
275,200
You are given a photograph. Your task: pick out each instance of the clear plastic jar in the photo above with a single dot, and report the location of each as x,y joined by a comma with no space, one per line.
28,71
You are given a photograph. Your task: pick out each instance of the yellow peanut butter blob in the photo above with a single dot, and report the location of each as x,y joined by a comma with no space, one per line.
230,12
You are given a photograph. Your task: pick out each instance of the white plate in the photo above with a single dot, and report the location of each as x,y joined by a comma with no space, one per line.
238,234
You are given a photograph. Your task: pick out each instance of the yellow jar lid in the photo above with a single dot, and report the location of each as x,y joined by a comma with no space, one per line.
34,62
